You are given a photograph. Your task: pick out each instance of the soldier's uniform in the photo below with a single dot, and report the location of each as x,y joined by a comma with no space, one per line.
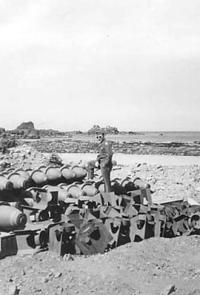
104,158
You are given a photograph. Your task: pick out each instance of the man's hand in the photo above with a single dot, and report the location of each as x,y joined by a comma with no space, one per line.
96,164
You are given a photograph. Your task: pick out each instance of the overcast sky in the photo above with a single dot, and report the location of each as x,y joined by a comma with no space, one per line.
70,64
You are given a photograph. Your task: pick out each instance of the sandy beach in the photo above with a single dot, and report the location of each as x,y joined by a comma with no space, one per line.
72,73
125,159
152,267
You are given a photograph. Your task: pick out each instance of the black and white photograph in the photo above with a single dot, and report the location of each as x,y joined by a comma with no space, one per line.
99,147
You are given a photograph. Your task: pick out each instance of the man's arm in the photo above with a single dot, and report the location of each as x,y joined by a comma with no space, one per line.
108,153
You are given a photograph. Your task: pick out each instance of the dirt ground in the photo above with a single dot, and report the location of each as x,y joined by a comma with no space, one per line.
155,266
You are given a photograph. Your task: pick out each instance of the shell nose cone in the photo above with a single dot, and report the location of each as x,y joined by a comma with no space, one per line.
21,219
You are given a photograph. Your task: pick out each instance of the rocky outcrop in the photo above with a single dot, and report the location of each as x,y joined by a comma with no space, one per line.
26,126
26,130
107,130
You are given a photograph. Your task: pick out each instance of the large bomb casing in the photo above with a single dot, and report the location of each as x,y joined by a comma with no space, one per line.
68,174
19,182
80,172
53,174
11,218
39,177
5,184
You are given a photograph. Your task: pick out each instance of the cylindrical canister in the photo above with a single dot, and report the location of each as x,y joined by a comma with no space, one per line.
74,191
89,189
5,184
11,218
19,182
80,172
23,173
68,174
39,177
53,173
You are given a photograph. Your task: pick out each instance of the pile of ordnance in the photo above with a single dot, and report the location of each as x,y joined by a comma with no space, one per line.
58,209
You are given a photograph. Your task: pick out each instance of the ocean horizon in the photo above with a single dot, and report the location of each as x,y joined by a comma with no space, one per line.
159,136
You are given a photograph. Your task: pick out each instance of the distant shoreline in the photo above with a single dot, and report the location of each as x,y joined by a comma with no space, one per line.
151,144
124,159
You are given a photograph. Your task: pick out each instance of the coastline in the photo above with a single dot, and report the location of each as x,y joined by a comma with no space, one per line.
121,144
128,159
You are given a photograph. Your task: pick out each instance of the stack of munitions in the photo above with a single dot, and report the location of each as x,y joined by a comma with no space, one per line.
56,209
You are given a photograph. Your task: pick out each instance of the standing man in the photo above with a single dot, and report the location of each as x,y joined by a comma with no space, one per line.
104,160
